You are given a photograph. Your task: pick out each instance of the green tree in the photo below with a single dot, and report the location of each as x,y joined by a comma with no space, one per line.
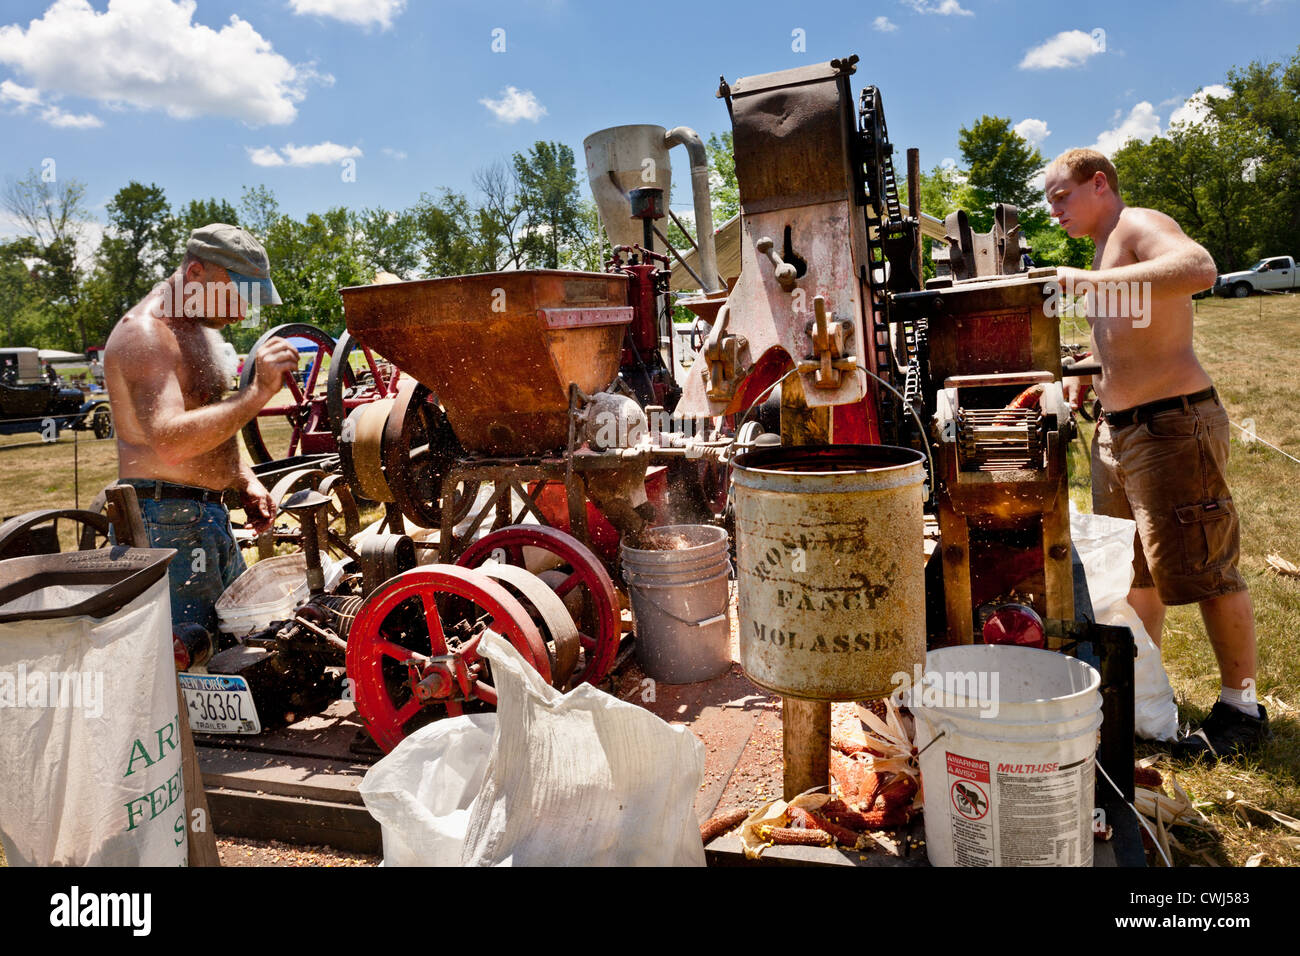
548,192
51,213
132,254
386,241
1266,100
187,218
446,228
1000,168
1194,173
724,189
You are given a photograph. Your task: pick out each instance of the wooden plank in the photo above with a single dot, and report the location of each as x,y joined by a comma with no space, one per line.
294,820
123,509
954,537
202,842
312,778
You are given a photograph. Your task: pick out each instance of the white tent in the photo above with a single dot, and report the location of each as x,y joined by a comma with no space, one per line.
61,358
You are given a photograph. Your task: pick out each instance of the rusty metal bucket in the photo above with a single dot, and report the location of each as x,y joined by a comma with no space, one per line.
499,349
830,568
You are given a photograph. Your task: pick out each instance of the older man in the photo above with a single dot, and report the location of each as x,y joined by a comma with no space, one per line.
1161,447
175,431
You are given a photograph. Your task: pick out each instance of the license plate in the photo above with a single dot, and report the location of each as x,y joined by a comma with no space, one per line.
219,704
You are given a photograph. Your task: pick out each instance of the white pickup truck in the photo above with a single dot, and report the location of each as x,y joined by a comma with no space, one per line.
1275,274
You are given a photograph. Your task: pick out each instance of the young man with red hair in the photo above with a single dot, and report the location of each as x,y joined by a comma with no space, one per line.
1161,448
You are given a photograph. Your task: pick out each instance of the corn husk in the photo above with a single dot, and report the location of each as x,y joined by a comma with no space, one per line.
775,814
1165,811
1280,565
892,741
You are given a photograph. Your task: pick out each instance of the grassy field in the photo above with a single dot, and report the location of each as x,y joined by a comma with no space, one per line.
1248,348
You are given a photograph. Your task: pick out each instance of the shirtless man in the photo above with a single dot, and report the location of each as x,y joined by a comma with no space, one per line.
1161,449
175,432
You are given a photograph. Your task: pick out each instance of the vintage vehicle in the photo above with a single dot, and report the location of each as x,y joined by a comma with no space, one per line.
29,402
1275,274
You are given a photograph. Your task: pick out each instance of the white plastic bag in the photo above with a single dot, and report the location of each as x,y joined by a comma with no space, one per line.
1105,547
579,779
422,791
91,770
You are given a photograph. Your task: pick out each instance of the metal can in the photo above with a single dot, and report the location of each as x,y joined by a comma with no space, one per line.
830,568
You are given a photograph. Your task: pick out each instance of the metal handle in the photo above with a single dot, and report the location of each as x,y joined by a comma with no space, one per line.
786,274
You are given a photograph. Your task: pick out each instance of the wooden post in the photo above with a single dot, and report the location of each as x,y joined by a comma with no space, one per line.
128,525
805,724
954,540
914,209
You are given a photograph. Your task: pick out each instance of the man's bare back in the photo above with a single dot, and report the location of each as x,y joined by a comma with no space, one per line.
1145,350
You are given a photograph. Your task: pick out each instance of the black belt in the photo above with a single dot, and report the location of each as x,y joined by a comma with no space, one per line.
1140,413
158,490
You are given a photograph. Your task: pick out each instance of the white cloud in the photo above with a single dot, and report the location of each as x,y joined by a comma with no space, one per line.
318,155
514,105
884,25
393,153
151,55
1034,131
944,8
1195,110
57,117
362,13
264,156
1142,123
21,96
1067,49
25,97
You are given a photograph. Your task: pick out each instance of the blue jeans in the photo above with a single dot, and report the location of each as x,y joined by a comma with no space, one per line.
207,559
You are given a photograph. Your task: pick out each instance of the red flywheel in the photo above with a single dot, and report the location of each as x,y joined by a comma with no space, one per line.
413,649
574,573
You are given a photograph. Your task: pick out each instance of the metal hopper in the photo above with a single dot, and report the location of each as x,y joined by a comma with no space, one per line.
499,349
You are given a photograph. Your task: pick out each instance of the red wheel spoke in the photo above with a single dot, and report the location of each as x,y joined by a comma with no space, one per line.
437,639
395,651
408,710
569,583
292,384
270,412
588,642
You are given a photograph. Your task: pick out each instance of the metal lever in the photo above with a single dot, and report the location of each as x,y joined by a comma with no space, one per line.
829,340
786,274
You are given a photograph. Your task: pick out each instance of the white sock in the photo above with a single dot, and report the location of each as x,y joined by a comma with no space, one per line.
1234,698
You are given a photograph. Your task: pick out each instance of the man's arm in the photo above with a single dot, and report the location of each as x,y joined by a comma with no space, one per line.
149,363
1167,258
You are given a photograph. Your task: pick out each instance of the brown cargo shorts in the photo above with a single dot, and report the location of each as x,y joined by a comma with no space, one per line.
1166,471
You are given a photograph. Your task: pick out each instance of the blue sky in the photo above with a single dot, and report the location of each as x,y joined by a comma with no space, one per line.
192,95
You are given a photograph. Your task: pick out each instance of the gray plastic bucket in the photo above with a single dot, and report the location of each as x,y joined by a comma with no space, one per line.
681,601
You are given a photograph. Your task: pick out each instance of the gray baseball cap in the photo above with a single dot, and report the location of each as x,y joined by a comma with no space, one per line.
239,254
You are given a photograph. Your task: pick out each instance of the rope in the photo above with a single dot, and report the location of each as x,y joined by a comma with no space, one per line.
1141,819
1256,438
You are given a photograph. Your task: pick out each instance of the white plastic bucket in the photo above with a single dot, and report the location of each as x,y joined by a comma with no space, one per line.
268,591
681,602
1009,741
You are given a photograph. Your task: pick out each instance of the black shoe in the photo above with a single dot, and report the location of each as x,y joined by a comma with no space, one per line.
1225,734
